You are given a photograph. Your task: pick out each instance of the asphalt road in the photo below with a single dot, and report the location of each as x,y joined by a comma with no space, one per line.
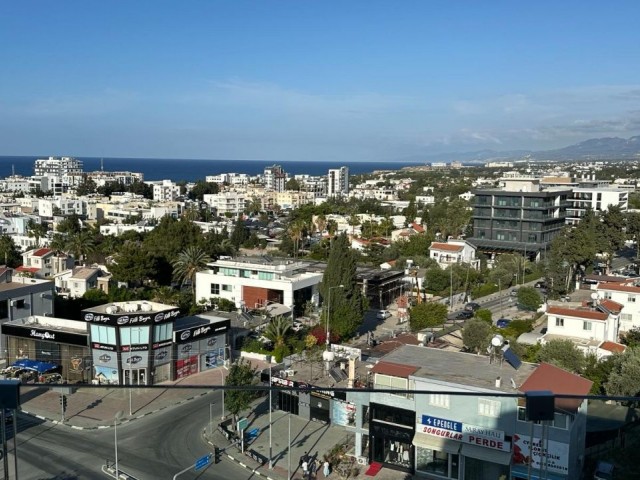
154,447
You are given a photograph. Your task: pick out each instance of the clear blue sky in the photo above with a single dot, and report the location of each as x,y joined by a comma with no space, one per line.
314,80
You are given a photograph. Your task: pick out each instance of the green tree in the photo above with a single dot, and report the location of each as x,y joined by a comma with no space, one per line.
80,244
624,379
475,335
277,331
484,314
563,354
36,230
598,371
436,280
135,266
87,187
9,253
347,303
69,225
241,374
631,338
189,262
529,299
202,188
239,234
633,229
292,184
427,315
612,234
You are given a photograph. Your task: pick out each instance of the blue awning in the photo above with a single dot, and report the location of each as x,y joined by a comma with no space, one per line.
40,367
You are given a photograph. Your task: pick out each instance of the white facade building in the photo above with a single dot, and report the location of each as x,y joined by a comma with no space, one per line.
253,283
165,191
338,182
598,199
626,295
275,178
58,167
231,203
454,251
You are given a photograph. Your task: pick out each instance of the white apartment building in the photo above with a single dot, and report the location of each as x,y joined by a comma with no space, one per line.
454,251
44,262
592,330
234,179
118,229
628,296
165,191
15,184
75,282
275,178
226,203
598,199
338,182
101,178
253,283
57,167
49,207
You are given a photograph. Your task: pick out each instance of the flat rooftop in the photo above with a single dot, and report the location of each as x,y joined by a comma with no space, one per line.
131,307
461,368
51,323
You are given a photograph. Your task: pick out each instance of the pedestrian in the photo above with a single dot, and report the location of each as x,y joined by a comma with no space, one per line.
312,468
326,468
305,469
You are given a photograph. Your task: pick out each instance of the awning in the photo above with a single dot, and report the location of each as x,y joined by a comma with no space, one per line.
40,367
277,309
486,454
437,443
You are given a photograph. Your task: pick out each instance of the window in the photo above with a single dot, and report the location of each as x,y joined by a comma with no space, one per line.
488,408
586,325
215,289
162,332
559,322
626,317
103,334
4,308
134,335
607,295
265,275
226,288
439,400
631,299
229,272
388,381
438,463
18,303
560,420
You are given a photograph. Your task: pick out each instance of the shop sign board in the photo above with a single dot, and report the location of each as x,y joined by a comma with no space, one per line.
548,454
462,432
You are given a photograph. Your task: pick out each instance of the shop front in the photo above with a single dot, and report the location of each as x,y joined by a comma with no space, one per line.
161,369
201,347
287,400
65,345
391,431
450,449
540,459
320,406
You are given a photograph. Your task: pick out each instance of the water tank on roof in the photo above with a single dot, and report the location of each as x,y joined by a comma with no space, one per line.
146,307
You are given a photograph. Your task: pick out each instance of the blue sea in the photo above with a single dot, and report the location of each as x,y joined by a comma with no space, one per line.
192,170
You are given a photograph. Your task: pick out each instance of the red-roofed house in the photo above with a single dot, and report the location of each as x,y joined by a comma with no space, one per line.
564,436
44,262
454,251
623,294
588,328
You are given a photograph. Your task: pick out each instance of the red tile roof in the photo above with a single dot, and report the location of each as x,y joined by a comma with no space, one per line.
618,287
417,228
41,252
613,347
22,268
445,246
575,312
394,369
560,382
613,307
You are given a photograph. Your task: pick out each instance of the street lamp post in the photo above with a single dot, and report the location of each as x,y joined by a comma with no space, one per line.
131,330
329,312
222,375
116,419
270,420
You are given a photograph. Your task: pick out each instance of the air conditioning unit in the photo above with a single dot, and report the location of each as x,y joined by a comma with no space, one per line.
290,373
362,460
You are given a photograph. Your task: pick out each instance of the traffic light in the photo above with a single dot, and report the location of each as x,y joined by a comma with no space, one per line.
63,402
217,454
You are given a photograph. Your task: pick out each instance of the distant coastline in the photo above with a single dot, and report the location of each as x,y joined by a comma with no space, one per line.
191,170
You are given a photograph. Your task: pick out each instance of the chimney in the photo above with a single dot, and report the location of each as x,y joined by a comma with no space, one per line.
352,370
498,382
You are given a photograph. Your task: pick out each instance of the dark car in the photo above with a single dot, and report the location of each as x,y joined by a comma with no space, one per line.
503,323
464,315
540,285
472,306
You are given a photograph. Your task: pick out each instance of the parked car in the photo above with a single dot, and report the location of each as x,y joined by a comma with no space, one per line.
514,292
604,471
472,306
383,314
503,322
464,315
541,285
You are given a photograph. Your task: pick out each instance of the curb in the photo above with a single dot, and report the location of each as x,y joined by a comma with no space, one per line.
75,427
237,461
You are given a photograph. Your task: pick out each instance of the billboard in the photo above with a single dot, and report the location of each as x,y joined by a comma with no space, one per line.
548,454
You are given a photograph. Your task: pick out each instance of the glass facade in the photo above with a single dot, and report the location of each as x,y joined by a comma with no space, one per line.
443,464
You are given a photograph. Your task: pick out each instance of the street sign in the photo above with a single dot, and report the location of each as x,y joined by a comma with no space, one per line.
243,423
202,462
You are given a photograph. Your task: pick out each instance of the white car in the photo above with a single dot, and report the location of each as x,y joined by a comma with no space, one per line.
383,314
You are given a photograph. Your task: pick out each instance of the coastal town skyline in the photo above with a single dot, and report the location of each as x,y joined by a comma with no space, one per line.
356,82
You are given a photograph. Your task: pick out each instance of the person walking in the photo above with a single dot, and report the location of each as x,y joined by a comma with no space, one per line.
305,469
326,469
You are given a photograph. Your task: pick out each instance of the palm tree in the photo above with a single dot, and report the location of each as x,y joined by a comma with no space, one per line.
37,231
277,331
79,244
321,222
189,262
165,295
354,221
254,206
296,231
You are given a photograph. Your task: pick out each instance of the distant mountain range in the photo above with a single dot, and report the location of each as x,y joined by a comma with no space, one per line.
609,148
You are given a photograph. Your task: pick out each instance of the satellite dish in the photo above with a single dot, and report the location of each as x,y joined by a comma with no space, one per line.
594,296
497,340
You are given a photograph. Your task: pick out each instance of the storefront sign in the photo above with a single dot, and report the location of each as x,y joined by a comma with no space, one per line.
161,344
57,336
202,331
548,454
135,348
102,346
130,318
343,413
481,436
282,382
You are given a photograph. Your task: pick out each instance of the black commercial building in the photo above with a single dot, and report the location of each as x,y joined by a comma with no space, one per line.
200,344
